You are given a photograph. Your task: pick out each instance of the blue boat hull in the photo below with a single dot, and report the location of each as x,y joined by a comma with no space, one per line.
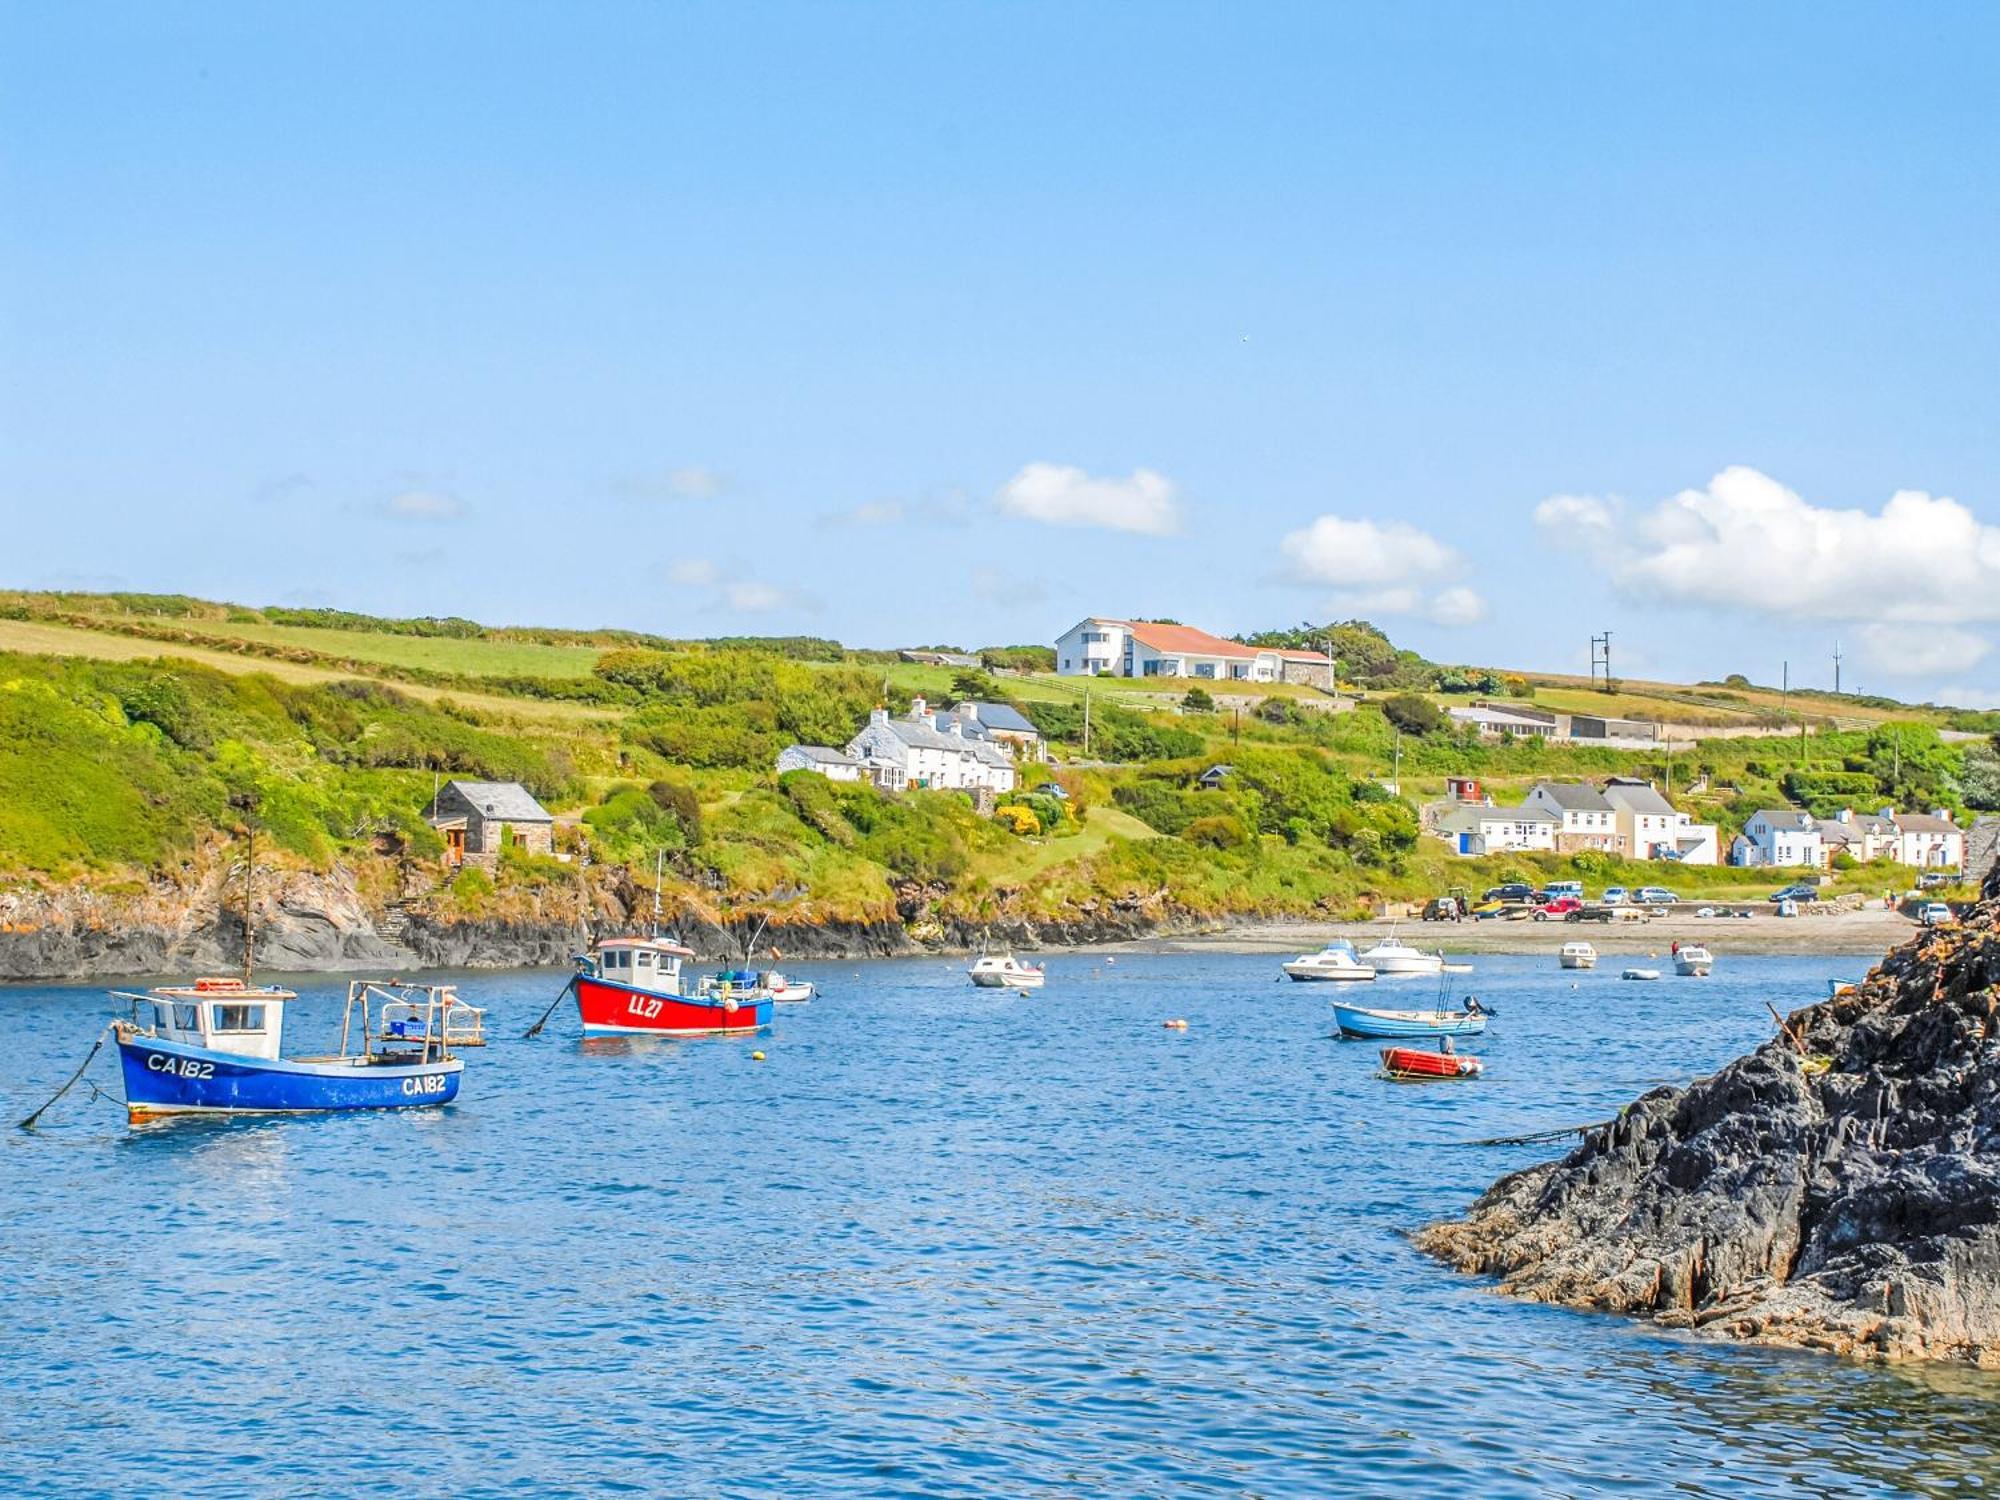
172,1078
1357,1021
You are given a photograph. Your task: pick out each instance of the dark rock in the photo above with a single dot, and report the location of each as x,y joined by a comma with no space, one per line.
1839,1193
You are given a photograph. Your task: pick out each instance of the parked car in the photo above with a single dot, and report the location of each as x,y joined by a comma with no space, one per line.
1616,895
1557,889
1562,906
1936,914
1930,880
1513,891
1442,909
1654,895
1051,789
1801,892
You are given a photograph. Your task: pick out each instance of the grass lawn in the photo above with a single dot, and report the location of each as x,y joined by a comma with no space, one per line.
103,645
477,658
1025,858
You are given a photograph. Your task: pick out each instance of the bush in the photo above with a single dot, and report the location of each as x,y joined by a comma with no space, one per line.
1279,711
1414,714
1218,831
679,799
1198,701
1017,819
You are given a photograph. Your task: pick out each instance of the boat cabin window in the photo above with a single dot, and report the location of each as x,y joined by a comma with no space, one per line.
187,1018
617,958
238,1017
160,1014
643,957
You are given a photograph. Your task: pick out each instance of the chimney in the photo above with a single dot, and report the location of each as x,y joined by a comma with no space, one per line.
1943,814
957,727
919,709
1845,815
879,716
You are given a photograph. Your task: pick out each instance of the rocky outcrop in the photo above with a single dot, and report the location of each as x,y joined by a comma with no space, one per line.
1837,1189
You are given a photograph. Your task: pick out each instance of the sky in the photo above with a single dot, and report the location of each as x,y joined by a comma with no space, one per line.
1501,326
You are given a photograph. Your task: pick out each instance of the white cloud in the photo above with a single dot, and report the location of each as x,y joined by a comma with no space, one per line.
1062,495
870,513
1383,568
693,572
1456,606
691,482
423,505
1744,541
1907,650
755,598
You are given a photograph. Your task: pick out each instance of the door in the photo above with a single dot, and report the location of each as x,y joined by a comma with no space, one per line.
454,846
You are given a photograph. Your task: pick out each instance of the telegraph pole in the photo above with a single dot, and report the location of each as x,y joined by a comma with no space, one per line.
1086,723
1600,659
1836,669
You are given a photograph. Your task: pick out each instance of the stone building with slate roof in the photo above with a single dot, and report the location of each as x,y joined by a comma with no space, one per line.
478,818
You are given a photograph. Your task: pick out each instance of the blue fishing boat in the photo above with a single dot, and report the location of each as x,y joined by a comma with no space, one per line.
213,1048
1359,1021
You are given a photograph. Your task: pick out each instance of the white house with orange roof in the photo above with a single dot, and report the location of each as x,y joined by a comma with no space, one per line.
1104,647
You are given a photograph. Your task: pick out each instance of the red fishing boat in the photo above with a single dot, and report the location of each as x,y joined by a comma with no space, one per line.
1411,1065
634,986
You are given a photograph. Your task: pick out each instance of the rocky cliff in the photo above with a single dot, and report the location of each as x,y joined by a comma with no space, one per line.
348,919
1837,1189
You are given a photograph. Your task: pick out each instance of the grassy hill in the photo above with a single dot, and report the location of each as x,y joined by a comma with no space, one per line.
135,730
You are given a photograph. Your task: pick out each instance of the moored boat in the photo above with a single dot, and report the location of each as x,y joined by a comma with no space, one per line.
1413,1064
213,1047
1334,962
1693,961
1641,974
1392,955
635,986
1360,1021
1577,956
786,991
1003,971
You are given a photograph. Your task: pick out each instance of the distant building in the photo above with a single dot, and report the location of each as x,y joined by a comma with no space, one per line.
1479,829
1928,841
1598,727
1586,819
478,818
1104,647
1492,720
1646,821
929,750
1213,779
1781,837
1982,848
960,659
834,765
1004,725
1861,836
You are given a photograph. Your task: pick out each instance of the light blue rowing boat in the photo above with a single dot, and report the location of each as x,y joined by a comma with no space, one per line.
1357,1020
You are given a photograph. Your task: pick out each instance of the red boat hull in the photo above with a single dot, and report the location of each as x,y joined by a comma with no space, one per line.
1411,1062
611,1009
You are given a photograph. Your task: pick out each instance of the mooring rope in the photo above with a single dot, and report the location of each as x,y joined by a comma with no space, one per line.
535,1030
1539,1137
29,1123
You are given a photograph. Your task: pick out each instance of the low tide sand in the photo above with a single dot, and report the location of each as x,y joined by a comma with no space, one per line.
1868,933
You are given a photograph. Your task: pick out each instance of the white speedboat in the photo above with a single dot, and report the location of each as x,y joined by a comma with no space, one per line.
1394,956
786,991
1693,960
1640,974
1577,956
1003,971
1336,961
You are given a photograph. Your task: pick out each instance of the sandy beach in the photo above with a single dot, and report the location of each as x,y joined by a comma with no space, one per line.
1868,934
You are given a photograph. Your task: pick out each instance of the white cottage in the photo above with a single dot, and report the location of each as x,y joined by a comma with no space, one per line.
1928,841
929,750
1648,826
1584,819
1781,837
1477,828
1103,647
834,765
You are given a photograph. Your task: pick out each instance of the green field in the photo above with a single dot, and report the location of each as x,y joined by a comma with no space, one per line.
472,658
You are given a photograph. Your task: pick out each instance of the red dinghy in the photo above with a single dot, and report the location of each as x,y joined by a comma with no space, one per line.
1410,1065
633,986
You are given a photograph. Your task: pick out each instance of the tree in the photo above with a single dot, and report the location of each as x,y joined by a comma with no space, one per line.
1979,780
1414,714
1198,701
974,686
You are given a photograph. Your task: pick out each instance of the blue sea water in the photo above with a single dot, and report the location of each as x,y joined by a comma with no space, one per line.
941,1242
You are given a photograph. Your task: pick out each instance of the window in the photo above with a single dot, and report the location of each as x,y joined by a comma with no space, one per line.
160,1017
187,1018
238,1017
643,958
617,958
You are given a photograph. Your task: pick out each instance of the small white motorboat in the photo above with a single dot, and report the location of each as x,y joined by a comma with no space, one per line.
1693,961
1336,961
1577,956
1394,956
1003,971
1640,974
786,991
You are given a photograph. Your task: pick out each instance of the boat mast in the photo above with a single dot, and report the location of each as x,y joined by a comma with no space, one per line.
249,876
659,863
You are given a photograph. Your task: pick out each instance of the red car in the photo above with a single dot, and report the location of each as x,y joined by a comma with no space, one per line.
1562,906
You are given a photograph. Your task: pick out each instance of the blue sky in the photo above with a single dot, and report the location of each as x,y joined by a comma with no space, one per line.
864,320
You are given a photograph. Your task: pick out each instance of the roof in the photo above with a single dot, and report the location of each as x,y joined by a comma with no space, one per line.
1291,654
1217,771
824,753
1575,796
922,736
1184,640
1002,716
1478,715
1476,812
1925,823
1638,797
1788,817
508,801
